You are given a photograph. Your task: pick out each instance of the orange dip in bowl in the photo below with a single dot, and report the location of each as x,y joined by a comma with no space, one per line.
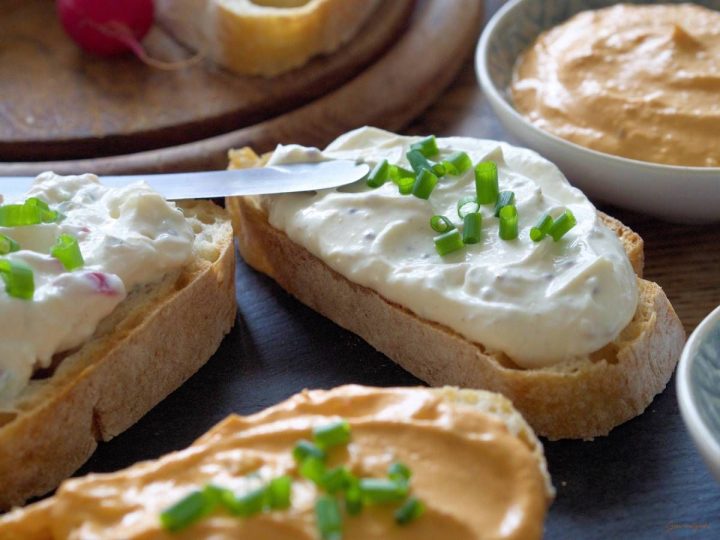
637,81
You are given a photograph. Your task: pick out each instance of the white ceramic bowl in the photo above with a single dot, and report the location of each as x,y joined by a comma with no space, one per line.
698,388
681,194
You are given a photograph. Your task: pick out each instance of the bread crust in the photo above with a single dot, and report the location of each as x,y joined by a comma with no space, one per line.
581,399
153,341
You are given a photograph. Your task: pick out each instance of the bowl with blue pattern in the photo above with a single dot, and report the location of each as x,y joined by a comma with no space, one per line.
674,193
698,388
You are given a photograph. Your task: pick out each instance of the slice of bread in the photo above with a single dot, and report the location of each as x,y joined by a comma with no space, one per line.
264,37
40,520
579,399
148,346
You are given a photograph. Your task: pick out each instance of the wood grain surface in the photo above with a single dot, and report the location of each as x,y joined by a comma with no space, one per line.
389,93
61,103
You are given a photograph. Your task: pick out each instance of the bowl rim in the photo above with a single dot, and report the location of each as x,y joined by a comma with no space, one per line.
495,97
708,443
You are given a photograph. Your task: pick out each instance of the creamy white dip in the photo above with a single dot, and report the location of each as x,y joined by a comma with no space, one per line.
540,303
127,236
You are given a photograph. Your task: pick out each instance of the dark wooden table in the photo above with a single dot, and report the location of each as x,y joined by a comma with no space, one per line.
645,480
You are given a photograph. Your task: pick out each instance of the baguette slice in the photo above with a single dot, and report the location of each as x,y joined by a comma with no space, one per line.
264,37
580,399
148,346
46,520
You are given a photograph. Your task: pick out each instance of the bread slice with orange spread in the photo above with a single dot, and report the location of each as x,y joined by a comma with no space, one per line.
582,396
466,458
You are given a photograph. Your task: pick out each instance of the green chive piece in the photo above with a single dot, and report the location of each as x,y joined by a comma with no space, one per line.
328,517
333,434
186,511
486,182
457,163
250,503
337,479
46,215
541,228
18,215
472,223
8,245
508,222
448,242
379,175
467,205
382,490
396,173
562,224
412,509
353,497
19,279
424,184
405,185
313,469
399,472
417,161
439,169
278,492
67,251
505,198
305,449
427,146
441,224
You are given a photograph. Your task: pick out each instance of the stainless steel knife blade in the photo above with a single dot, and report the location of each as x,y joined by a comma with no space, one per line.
203,185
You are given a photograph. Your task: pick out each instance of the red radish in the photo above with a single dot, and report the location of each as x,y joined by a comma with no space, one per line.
107,27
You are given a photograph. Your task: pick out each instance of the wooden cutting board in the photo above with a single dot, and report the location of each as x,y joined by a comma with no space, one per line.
385,77
59,102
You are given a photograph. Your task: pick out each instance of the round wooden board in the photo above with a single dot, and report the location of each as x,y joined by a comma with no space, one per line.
389,93
60,103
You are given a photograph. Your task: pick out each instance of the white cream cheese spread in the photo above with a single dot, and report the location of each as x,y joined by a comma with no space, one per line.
539,303
127,237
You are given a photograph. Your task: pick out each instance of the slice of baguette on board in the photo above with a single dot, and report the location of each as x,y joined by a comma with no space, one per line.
267,37
148,346
582,399
509,442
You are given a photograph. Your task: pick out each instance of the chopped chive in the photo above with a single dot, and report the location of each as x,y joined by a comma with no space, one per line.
417,161
379,175
412,509
332,434
504,199
305,449
353,497
278,492
441,224
405,184
439,169
46,215
486,182
424,184
541,228
472,223
448,242
508,222
466,205
399,472
19,279
8,245
250,503
186,511
397,172
67,251
382,490
427,146
337,479
457,163
31,212
313,469
328,517
562,225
